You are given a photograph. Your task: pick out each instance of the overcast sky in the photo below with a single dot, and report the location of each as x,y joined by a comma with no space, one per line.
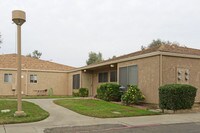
65,31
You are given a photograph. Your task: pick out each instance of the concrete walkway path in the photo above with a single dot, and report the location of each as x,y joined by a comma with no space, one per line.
62,117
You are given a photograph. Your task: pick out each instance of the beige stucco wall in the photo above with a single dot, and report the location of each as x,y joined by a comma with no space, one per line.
148,76
86,81
170,66
46,80
95,84
6,88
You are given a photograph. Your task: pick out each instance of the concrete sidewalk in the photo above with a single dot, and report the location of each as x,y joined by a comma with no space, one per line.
62,117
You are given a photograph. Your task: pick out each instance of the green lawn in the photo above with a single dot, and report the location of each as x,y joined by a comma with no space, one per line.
34,97
101,109
33,111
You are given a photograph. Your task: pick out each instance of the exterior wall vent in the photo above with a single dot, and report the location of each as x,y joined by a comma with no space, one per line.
183,75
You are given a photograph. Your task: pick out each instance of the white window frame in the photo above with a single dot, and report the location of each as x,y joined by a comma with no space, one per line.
9,80
33,79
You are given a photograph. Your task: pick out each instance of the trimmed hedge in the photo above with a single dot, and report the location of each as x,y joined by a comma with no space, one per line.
83,92
75,94
176,96
133,95
109,92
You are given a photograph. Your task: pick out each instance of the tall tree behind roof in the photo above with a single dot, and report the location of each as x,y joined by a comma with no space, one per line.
94,58
35,54
159,42
0,40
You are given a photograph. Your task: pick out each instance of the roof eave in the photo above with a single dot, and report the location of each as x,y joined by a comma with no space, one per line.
117,61
137,57
34,70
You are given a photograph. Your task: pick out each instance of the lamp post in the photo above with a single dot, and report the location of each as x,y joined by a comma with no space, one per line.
19,17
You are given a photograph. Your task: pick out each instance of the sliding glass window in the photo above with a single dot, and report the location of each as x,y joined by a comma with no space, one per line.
128,75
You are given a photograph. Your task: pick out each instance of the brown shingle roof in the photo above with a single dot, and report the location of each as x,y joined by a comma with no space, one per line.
162,48
10,61
179,49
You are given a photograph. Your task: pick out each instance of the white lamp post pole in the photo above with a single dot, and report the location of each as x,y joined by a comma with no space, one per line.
19,17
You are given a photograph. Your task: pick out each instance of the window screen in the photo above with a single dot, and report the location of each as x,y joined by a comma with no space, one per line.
113,76
123,76
132,75
76,81
103,77
128,75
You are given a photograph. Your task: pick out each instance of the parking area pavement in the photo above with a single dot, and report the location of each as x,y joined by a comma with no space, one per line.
91,128
116,128
62,117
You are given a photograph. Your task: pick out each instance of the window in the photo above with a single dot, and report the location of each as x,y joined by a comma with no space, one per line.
33,78
103,77
132,75
123,76
128,75
76,81
7,78
113,76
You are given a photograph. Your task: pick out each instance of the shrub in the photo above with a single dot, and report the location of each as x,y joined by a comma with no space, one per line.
109,92
50,92
132,96
176,96
75,93
83,92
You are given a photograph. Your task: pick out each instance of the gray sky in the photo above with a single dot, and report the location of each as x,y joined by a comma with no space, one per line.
65,31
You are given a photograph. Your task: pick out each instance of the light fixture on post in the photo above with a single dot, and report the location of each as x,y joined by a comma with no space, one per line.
19,17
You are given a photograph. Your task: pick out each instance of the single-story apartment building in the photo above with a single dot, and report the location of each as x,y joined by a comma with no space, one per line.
38,76
149,69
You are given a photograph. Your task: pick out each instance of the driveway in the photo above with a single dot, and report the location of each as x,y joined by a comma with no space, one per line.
62,117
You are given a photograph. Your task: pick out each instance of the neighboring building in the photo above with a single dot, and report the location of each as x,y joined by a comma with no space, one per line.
38,76
149,69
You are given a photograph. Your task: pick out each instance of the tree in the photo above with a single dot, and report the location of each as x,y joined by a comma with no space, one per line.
35,54
0,40
94,58
159,42
114,56
156,43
